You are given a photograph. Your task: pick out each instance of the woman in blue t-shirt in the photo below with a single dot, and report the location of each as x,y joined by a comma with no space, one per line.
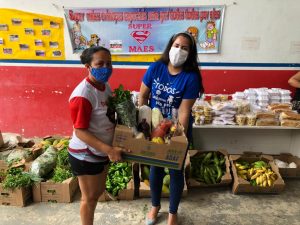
173,82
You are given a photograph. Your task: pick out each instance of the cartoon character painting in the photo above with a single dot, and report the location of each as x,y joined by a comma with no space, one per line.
211,36
94,40
194,32
79,39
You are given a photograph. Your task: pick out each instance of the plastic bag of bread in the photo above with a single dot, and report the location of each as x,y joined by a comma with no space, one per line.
278,111
289,116
251,119
279,106
265,115
290,123
267,122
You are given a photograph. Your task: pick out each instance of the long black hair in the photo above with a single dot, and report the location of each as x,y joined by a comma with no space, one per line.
191,63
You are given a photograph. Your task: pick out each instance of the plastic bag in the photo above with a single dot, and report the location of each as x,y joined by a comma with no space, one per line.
127,113
18,154
45,163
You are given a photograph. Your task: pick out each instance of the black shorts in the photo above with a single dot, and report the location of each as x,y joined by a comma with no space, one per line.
81,167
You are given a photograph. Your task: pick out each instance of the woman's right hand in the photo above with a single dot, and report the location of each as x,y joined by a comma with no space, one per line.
115,154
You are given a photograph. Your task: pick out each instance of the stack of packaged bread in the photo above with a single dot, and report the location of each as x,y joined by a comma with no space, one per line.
290,119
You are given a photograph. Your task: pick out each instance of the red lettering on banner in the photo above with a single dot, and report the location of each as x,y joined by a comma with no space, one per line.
153,16
135,16
138,26
164,16
192,15
215,14
204,15
177,15
141,48
93,17
112,16
76,16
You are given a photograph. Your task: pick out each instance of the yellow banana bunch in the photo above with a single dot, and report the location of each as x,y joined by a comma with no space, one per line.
264,177
256,175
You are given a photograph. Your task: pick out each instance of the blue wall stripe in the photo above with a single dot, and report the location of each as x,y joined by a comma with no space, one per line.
213,64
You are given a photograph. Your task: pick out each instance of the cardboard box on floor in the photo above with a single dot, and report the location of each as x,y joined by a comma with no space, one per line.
17,197
55,192
144,188
226,179
289,172
146,152
126,194
242,186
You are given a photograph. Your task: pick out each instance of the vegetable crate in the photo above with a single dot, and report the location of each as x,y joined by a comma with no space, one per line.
143,151
218,175
241,185
55,192
17,197
119,182
126,194
144,185
289,172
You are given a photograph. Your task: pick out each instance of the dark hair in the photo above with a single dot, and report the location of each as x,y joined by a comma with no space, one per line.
87,55
191,63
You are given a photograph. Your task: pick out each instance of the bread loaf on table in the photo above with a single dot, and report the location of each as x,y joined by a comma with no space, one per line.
267,122
279,106
289,116
290,123
265,115
278,111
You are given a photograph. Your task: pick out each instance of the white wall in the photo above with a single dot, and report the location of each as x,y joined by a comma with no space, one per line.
264,31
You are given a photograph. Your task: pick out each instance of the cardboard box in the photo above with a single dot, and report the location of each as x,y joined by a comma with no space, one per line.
143,151
126,194
144,189
226,179
242,186
55,192
289,172
16,197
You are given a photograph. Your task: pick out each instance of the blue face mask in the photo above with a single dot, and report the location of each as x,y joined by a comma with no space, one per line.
101,74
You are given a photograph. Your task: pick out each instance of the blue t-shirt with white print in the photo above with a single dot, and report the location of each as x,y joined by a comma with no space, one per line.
167,91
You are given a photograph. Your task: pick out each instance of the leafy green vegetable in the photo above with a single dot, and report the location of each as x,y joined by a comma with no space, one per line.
61,174
121,102
119,95
63,159
17,178
119,174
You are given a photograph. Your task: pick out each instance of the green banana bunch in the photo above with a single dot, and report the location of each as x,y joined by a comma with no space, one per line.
208,167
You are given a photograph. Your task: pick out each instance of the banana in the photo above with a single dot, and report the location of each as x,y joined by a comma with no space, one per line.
242,172
255,176
242,167
238,165
270,183
265,183
250,172
257,181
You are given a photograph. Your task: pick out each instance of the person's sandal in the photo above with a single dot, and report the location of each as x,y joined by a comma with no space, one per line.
152,221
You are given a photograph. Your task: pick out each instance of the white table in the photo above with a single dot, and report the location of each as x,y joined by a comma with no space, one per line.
237,139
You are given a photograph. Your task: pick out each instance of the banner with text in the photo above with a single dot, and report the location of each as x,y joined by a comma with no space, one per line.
144,30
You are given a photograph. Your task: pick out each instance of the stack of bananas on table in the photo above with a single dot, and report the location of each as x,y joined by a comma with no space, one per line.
258,173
